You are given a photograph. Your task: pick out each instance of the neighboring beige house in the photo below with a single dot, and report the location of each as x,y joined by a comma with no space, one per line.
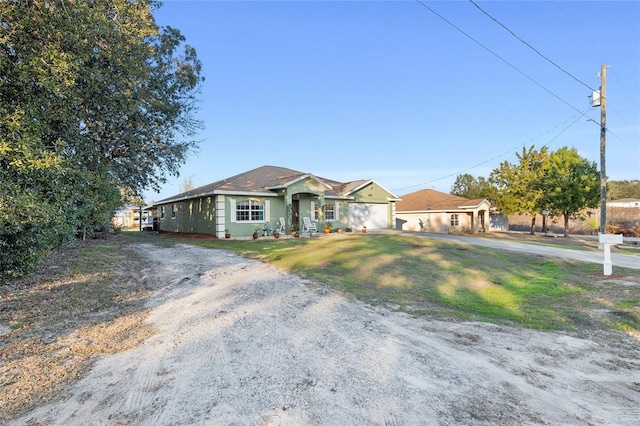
433,211
260,198
128,217
624,203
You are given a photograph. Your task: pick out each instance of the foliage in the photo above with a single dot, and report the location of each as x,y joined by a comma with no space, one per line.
43,202
520,186
188,183
623,189
93,97
572,184
471,187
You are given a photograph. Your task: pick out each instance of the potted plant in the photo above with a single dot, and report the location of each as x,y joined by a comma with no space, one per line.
327,227
227,234
297,234
339,230
348,229
364,229
276,234
255,234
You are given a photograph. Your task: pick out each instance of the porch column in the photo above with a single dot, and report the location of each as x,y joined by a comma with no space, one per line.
321,203
474,222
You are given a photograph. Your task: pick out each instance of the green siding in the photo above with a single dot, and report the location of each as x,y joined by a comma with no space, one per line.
307,185
195,215
198,215
372,193
277,209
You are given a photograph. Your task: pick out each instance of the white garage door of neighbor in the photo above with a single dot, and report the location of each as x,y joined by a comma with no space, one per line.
373,216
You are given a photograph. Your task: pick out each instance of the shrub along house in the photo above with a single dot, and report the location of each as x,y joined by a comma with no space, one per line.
258,198
433,211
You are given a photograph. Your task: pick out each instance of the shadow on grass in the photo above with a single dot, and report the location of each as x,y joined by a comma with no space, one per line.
449,280
83,301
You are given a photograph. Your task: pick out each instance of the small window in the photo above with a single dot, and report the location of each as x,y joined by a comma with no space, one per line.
249,211
330,211
161,212
173,211
455,221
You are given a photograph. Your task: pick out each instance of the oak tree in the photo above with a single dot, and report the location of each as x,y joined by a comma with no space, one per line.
93,96
572,184
519,187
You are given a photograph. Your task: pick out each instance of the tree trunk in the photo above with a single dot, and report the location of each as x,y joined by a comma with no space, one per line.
533,225
566,224
107,229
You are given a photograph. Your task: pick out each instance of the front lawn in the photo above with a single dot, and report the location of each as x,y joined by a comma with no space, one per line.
449,280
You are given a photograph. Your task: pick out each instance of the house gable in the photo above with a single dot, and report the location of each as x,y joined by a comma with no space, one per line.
307,184
370,192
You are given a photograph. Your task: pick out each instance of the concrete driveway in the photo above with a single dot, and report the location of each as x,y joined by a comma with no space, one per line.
619,260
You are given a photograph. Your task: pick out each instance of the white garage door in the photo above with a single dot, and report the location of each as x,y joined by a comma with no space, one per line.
373,216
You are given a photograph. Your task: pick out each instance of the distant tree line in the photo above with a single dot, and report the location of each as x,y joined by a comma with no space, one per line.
560,182
96,100
619,189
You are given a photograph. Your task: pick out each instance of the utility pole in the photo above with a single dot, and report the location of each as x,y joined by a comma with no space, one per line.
603,143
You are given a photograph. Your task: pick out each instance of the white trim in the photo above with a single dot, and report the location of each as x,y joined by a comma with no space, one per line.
248,193
263,203
232,210
219,203
267,211
339,197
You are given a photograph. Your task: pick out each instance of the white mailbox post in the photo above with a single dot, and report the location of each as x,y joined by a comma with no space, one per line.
607,240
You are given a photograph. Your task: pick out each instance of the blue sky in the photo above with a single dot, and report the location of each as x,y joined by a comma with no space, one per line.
389,91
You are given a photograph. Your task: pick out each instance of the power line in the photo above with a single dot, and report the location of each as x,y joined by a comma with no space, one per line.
531,47
577,118
498,56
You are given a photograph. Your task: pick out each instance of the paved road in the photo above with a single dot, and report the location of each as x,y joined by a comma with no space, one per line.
620,260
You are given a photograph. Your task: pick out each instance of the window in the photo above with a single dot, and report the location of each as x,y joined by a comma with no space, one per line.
173,211
330,211
455,221
249,211
161,212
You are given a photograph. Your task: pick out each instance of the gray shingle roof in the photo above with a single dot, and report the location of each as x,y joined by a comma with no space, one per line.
262,180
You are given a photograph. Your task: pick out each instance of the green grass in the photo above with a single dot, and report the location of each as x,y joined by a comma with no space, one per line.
448,280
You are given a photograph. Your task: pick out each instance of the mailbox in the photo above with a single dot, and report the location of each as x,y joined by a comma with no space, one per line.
610,238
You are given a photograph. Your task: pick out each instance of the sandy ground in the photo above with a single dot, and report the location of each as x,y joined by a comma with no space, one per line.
240,342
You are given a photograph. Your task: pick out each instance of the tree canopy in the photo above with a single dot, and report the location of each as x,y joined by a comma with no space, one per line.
561,182
519,187
469,186
572,183
94,97
623,189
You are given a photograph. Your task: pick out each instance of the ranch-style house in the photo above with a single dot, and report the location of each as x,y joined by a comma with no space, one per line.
265,197
428,210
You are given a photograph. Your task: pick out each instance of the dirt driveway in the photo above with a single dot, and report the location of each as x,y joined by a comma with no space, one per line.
242,343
